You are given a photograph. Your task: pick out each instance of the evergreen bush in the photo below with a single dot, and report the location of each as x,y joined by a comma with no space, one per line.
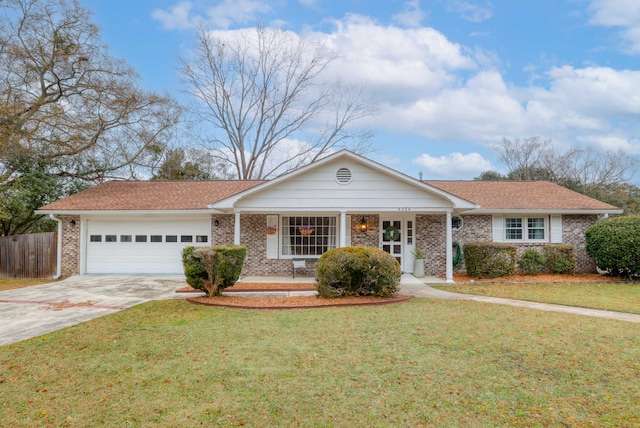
531,262
357,271
561,259
489,259
615,245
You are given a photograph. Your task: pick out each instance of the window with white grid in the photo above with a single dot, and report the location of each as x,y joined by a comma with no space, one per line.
308,236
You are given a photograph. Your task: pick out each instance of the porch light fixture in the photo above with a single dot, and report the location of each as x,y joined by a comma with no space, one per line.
216,223
363,224
72,222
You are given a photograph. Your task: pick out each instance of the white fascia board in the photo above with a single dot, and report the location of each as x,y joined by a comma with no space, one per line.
540,211
126,212
458,203
360,210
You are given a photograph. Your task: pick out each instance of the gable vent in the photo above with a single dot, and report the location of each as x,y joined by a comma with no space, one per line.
343,176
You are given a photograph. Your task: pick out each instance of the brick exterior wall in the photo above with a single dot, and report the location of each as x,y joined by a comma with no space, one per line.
573,228
479,228
431,238
370,238
429,230
70,245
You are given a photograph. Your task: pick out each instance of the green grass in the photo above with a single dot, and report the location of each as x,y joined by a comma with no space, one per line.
620,297
419,363
12,283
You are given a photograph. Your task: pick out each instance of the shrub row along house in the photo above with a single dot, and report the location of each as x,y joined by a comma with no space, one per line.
141,227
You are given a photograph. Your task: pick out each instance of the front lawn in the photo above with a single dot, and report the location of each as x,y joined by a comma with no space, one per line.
620,297
12,283
420,363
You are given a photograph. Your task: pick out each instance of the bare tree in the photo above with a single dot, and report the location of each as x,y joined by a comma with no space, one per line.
65,102
262,92
602,175
64,98
524,159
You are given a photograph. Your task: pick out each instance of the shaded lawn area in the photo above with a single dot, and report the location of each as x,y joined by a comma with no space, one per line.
12,283
420,363
620,297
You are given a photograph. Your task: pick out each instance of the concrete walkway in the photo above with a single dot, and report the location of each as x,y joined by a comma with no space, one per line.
33,311
416,287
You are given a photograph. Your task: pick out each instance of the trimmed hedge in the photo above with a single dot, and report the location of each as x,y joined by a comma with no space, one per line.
357,271
560,259
225,264
532,261
489,259
615,245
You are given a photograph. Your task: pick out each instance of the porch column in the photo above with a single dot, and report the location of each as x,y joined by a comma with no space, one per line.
236,228
343,229
449,273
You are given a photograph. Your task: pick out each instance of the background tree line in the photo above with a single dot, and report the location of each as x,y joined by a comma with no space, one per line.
602,175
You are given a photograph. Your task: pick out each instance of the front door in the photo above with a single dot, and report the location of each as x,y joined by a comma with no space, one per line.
392,237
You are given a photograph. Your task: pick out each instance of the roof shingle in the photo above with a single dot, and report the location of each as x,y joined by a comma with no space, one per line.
151,195
520,195
197,195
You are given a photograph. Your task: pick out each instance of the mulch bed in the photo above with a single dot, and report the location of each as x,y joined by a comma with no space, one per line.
295,302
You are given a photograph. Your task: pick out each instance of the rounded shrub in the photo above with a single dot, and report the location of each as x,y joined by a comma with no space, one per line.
357,271
615,245
531,261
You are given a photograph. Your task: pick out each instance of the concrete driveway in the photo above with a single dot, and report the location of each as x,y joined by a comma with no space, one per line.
32,311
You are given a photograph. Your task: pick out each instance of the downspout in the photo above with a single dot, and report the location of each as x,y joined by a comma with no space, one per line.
59,250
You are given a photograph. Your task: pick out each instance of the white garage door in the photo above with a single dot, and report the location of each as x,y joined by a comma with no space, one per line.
142,247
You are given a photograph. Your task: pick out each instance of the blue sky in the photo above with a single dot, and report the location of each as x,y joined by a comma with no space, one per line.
450,78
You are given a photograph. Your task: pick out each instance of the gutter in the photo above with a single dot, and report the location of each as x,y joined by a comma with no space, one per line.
59,250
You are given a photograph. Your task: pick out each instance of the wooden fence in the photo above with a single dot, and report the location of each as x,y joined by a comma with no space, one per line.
28,256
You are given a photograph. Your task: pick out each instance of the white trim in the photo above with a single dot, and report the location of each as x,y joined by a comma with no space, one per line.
343,229
236,229
127,212
555,227
525,228
540,211
449,251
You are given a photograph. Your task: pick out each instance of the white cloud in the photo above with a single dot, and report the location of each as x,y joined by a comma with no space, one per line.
624,14
222,15
453,166
469,11
411,16
177,18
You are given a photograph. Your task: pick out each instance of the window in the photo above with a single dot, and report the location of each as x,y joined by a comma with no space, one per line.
307,236
125,238
156,238
535,228
110,238
95,238
186,238
513,228
525,229
141,238
171,238
202,238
